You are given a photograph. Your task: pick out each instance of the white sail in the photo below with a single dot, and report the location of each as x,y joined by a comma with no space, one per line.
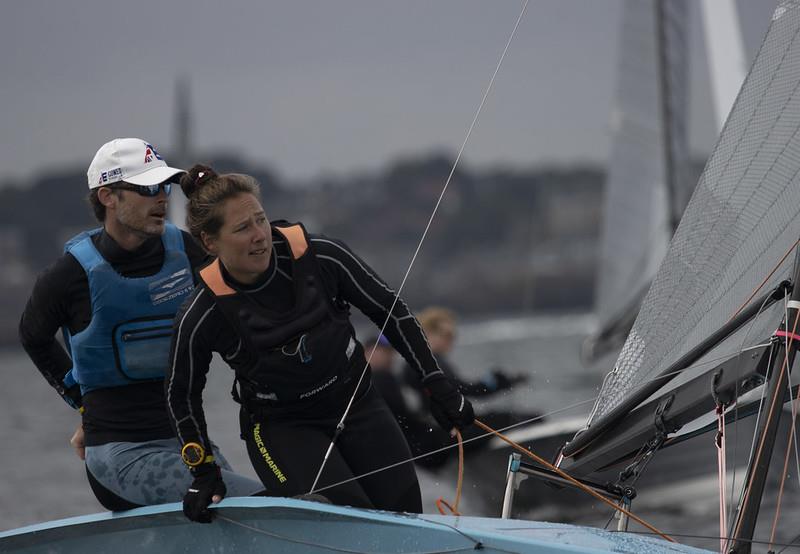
743,218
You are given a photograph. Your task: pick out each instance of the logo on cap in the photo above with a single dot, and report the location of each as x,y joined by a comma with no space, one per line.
150,153
111,176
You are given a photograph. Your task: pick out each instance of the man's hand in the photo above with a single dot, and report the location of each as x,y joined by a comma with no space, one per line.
207,488
77,442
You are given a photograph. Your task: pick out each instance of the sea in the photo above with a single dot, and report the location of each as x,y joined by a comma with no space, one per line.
42,479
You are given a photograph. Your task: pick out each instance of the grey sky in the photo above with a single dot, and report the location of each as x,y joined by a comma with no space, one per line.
321,86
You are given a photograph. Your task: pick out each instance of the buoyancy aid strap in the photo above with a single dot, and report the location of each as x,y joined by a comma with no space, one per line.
296,238
212,277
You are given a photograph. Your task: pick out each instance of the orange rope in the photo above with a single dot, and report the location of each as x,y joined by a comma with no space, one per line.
758,288
572,480
441,501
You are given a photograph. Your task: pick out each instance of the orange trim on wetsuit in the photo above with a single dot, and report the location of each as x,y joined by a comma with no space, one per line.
212,277
296,238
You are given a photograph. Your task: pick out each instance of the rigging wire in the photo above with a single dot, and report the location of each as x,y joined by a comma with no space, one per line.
742,493
788,341
736,405
792,434
340,425
750,456
772,407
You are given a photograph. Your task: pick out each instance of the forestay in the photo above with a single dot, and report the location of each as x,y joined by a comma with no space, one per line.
743,217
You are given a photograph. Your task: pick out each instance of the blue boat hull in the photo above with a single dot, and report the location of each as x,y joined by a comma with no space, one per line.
246,525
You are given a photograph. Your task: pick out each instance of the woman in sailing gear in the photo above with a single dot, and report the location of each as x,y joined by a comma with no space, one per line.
114,294
275,304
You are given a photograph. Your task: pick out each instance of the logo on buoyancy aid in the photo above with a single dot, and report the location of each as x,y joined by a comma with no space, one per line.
170,287
320,388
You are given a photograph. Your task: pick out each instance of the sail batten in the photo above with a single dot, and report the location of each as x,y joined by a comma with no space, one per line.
743,217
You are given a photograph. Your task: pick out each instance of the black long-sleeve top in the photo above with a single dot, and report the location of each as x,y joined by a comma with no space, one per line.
60,298
202,329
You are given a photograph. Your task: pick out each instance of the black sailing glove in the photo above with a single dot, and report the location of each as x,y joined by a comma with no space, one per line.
207,483
449,407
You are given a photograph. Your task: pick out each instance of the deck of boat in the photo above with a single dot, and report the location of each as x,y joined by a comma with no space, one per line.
286,525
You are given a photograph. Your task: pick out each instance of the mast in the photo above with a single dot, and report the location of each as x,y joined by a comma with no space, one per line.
747,513
669,24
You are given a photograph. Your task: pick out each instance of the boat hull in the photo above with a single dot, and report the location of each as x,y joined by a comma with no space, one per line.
245,525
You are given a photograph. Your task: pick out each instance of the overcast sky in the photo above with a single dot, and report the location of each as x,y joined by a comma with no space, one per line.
311,87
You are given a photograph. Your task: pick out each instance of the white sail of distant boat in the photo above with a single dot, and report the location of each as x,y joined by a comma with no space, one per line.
706,331
647,186
725,53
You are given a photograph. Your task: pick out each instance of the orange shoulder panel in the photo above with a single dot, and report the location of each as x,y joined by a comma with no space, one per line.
296,239
212,277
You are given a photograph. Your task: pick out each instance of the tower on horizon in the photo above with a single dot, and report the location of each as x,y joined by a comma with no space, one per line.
182,148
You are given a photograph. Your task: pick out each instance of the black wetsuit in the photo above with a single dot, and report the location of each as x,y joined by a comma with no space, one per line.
287,445
60,297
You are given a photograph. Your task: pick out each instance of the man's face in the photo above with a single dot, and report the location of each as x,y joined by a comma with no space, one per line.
144,216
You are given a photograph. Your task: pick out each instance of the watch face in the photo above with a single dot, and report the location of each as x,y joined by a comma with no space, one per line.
192,454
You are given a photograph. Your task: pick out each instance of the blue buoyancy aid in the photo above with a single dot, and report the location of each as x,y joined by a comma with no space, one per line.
128,338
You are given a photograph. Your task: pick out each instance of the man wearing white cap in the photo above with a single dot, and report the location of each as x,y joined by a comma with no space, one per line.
114,294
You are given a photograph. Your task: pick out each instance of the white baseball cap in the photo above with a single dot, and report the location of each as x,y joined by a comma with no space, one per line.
132,160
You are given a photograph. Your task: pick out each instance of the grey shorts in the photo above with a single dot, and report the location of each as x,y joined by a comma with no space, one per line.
152,472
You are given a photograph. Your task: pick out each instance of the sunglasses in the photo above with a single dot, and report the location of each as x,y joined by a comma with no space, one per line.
145,190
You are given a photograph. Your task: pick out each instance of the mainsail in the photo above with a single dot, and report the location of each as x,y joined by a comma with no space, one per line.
647,187
733,240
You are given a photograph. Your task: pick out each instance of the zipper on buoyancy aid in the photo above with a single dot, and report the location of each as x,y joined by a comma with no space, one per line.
160,330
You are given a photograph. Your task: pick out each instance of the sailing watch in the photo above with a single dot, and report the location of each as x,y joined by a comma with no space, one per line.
193,454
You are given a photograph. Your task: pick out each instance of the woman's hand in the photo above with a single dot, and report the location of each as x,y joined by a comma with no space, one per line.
449,407
206,489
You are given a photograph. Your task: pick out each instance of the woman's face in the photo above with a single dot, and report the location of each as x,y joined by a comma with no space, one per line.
244,242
